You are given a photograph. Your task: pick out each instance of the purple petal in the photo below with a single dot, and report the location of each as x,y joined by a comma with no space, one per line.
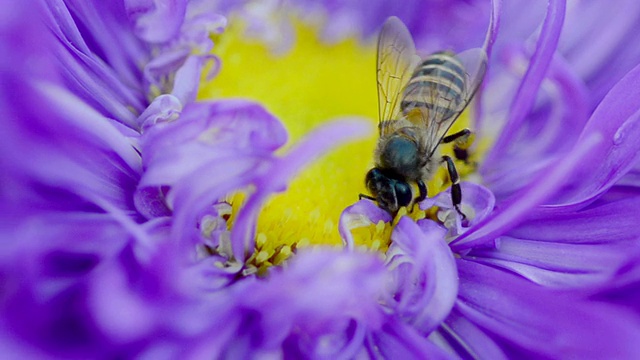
362,213
477,203
204,133
494,26
156,21
312,305
550,131
617,120
466,339
79,153
571,249
532,321
163,66
164,108
210,151
185,85
526,93
396,340
597,52
424,273
88,76
516,209
104,34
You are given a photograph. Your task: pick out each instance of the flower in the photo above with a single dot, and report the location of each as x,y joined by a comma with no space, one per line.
143,224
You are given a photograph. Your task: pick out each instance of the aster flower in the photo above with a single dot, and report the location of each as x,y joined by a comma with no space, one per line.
142,217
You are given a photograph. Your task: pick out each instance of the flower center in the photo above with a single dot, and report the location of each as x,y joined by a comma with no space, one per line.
310,84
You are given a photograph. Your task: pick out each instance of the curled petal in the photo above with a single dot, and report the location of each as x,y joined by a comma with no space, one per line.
425,279
156,21
187,80
164,108
362,213
549,132
528,88
477,203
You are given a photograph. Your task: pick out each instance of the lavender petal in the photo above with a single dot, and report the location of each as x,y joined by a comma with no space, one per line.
538,65
532,321
362,213
156,21
617,120
424,274
569,250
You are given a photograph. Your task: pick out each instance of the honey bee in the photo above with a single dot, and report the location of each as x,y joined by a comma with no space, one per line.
419,100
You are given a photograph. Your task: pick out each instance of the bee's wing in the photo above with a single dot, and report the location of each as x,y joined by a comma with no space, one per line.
474,62
396,60
444,107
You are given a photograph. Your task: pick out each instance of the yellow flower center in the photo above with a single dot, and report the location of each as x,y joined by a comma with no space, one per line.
312,83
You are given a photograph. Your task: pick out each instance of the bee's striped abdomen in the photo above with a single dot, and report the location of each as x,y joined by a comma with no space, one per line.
437,84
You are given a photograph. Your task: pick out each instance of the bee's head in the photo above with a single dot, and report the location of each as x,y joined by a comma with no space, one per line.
390,192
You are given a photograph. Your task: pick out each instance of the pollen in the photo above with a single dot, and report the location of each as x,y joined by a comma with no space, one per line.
312,83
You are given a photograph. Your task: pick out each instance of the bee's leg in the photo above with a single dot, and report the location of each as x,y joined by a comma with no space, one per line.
423,190
460,135
463,140
456,191
363,196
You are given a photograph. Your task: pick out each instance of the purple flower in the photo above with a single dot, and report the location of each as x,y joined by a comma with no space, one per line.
123,236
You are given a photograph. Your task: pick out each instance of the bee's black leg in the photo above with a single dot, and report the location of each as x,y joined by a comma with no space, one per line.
456,191
460,135
463,140
363,196
423,190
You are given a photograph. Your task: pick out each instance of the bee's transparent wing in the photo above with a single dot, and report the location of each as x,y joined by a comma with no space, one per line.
439,105
475,65
396,60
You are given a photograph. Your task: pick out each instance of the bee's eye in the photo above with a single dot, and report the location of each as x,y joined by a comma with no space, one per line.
403,193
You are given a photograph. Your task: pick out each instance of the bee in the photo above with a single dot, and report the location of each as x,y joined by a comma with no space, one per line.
419,100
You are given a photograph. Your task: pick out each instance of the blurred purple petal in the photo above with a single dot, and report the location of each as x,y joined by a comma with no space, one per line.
322,294
397,340
156,21
164,108
185,85
601,45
